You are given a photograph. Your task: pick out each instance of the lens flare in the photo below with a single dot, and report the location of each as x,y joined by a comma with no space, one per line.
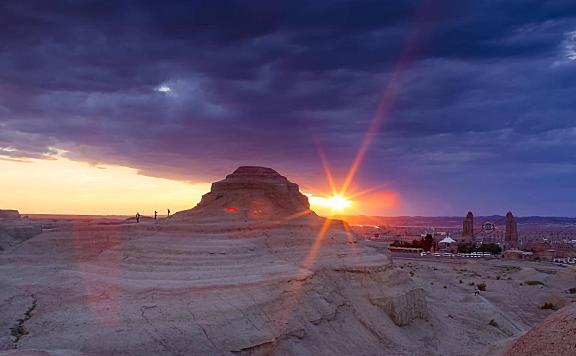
336,203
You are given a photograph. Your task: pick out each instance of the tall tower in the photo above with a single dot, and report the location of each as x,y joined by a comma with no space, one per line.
468,226
511,235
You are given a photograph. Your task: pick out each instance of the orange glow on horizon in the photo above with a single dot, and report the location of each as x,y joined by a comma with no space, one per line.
349,198
63,186
330,204
379,201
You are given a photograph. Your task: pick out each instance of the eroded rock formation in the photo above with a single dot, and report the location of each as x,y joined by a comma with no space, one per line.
9,214
296,284
14,230
245,281
403,306
556,335
250,193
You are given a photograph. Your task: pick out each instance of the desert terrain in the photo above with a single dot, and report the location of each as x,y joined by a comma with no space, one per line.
251,270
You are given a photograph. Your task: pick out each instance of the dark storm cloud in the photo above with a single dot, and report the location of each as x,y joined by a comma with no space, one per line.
484,91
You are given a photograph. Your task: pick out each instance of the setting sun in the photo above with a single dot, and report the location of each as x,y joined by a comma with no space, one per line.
336,203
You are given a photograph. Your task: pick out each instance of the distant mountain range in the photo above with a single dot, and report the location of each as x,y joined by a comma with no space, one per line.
450,221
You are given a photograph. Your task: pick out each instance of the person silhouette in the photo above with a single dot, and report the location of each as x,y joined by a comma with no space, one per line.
168,212
137,217
155,214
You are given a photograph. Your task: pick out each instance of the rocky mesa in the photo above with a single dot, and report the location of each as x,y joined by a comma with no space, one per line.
249,194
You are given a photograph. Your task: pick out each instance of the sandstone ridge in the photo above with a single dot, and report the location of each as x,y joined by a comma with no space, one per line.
250,193
9,214
14,229
555,335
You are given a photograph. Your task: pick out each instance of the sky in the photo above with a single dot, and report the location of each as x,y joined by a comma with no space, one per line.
446,106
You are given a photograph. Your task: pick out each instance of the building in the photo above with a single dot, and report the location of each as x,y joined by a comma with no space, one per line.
448,243
405,249
468,225
511,234
518,255
468,228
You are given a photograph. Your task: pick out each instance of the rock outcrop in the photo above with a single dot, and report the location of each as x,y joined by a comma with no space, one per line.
240,289
249,271
555,335
250,193
9,215
14,230
403,306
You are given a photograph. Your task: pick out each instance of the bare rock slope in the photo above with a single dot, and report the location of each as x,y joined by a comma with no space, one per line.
251,193
9,214
556,335
14,229
251,270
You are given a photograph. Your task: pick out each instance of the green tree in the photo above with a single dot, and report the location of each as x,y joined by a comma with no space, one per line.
428,242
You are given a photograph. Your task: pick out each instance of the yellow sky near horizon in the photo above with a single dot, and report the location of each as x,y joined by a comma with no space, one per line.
63,186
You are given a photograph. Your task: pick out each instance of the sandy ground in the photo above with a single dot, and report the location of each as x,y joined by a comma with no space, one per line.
515,292
506,283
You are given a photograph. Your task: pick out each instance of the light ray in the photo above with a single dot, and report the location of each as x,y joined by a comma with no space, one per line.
382,111
311,257
327,170
389,97
351,242
294,292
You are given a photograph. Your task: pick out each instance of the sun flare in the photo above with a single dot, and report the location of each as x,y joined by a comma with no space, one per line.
338,203
335,203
